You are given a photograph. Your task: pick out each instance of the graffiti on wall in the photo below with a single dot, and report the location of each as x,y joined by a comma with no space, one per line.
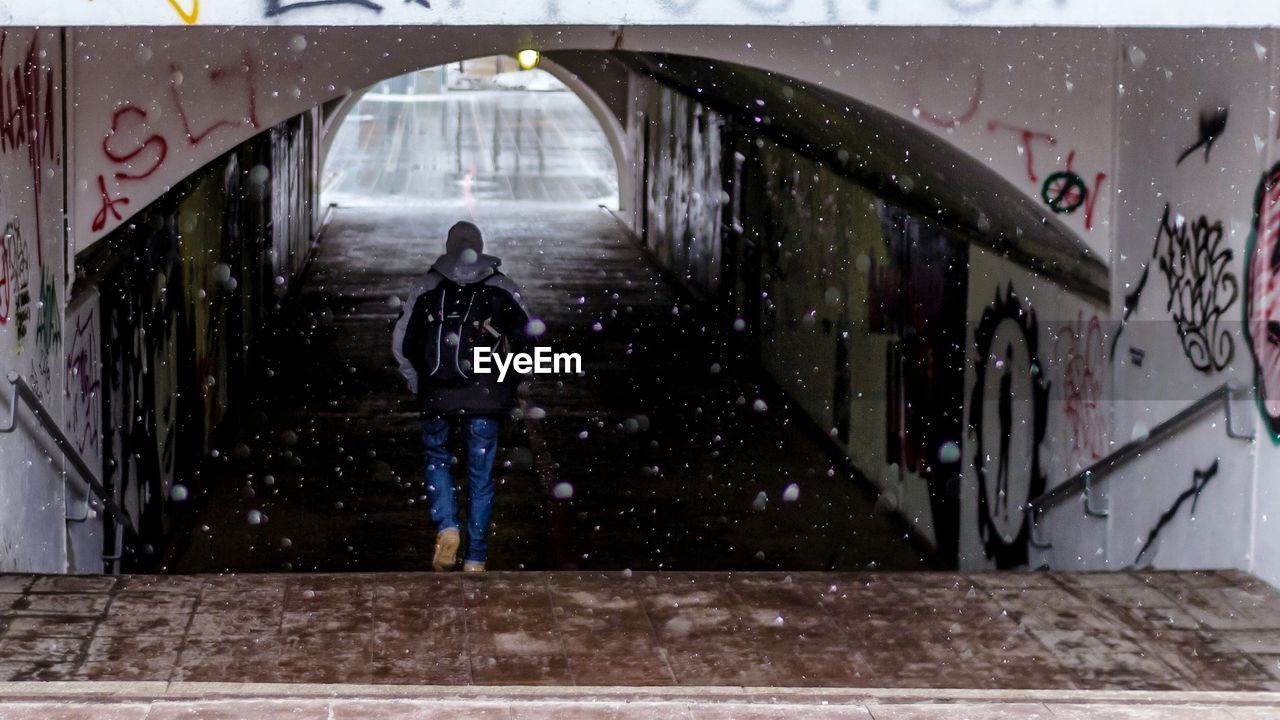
1063,189
1262,298
82,382
1196,266
28,95
1213,122
48,337
1079,347
918,299
1199,479
1008,416
947,92
15,284
135,149
279,7
187,16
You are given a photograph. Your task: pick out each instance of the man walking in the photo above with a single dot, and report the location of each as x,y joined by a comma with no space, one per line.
462,303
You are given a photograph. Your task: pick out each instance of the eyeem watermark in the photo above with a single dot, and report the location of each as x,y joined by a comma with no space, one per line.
542,361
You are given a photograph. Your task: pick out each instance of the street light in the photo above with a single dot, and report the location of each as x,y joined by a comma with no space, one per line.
528,58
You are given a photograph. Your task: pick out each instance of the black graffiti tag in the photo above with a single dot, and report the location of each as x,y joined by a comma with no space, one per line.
1005,530
280,7
1195,264
1202,288
1199,479
1212,124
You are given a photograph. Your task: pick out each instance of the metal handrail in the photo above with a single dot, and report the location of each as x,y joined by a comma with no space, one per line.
1086,479
23,392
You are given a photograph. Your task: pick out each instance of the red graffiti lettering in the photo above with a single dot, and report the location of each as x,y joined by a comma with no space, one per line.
1079,345
218,75
108,206
27,112
1027,146
155,141
952,73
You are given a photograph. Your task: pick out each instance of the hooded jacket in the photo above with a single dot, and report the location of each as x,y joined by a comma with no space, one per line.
483,394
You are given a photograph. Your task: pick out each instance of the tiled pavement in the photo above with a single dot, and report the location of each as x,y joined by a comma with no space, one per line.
194,703
1211,631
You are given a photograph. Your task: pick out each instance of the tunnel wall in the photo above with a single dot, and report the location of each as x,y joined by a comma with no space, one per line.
192,282
946,372
33,499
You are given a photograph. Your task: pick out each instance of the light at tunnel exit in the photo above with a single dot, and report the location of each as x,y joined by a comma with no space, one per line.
528,58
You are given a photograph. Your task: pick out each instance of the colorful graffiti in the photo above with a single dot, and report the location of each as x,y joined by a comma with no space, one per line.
1079,346
1262,299
1064,190
48,337
1199,480
1008,416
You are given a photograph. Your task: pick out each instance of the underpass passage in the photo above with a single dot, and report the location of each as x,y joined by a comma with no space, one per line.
668,453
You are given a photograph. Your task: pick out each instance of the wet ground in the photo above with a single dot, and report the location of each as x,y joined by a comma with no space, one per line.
669,453
1157,632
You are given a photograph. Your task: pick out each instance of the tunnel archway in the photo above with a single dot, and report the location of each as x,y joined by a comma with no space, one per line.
816,132
336,112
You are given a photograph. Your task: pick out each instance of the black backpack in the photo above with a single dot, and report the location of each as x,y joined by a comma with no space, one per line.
447,323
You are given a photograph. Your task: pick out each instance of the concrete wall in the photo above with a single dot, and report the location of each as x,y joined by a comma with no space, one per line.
1139,13
33,534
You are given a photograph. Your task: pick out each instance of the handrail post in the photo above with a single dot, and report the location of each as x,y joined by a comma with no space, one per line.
1035,537
1088,499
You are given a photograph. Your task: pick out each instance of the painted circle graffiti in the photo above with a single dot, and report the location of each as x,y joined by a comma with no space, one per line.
1007,420
1064,191
1262,301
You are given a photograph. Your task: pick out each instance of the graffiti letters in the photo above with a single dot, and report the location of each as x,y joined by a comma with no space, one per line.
1262,298
108,209
15,297
1195,264
1212,124
188,17
1007,420
82,383
1079,346
1199,479
1196,267
48,338
27,115
279,7
137,150
1064,190
154,142
244,72
958,96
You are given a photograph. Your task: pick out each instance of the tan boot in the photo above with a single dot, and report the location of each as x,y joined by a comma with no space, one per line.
472,566
446,557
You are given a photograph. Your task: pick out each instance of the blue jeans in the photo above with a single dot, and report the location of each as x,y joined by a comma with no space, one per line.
481,435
